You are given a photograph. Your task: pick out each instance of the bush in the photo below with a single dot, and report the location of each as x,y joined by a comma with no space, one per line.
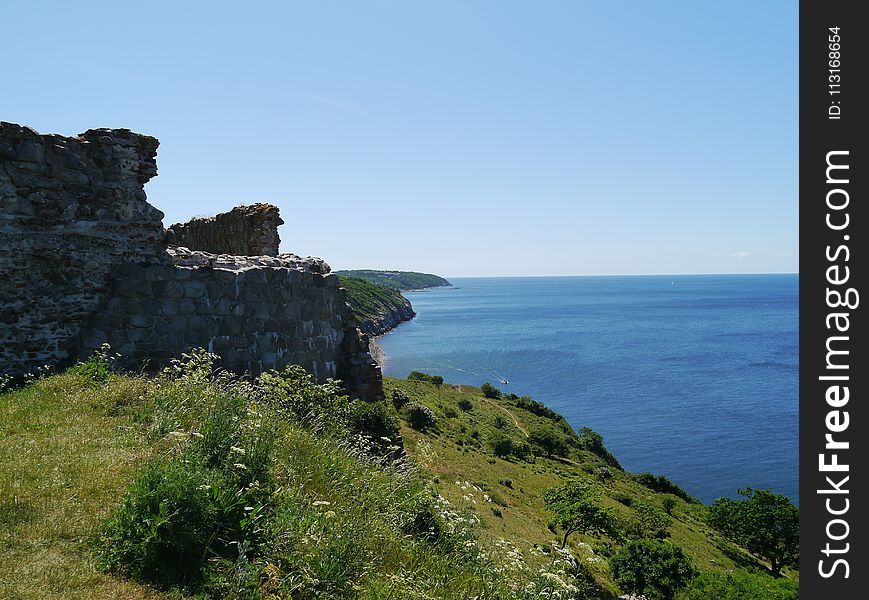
648,521
490,391
661,484
668,503
374,420
593,442
420,376
399,399
502,445
550,441
465,404
419,417
298,397
175,516
652,568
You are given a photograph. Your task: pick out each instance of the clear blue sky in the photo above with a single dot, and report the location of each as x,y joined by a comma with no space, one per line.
454,137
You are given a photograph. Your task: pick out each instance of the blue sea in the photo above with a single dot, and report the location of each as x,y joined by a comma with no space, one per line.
692,377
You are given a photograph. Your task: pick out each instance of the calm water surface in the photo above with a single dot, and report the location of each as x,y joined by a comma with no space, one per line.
692,377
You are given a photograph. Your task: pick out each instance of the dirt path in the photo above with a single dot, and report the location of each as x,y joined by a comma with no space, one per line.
515,422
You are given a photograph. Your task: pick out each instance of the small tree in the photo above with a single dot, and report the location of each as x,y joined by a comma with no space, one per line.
420,417
574,508
549,440
490,391
766,524
652,568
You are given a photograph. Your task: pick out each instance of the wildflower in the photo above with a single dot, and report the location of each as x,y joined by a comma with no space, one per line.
322,503
241,466
237,450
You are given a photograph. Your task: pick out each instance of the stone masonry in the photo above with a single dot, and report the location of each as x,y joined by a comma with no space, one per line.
84,261
244,231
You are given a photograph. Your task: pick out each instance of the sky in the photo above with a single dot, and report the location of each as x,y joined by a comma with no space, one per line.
463,138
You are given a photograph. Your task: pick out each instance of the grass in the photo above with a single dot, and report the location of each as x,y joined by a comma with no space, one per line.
371,300
67,453
400,280
276,500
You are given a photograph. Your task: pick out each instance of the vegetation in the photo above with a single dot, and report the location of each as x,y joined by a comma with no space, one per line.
652,568
420,376
741,585
371,300
767,524
661,484
193,484
575,508
399,280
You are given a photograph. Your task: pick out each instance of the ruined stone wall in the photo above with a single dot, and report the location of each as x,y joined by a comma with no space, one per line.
83,262
244,231
256,313
72,210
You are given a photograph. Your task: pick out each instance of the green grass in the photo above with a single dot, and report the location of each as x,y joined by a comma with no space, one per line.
457,457
89,465
371,300
400,280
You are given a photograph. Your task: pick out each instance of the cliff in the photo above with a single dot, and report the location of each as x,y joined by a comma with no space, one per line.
400,280
378,308
84,261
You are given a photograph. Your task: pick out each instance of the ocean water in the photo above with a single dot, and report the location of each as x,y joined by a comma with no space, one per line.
692,377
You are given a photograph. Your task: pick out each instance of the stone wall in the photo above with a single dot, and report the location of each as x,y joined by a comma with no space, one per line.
72,210
244,231
83,262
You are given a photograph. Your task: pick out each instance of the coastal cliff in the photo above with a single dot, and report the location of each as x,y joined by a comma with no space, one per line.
378,308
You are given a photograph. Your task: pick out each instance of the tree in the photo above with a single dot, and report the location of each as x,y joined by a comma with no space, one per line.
766,524
490,391
549,440
574,508
652,568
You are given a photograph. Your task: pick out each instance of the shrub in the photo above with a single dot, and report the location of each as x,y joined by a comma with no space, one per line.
648,521
549,441
419,417
374,420
604,474
298,397
652,568
537,408
399,399
175,516
502,445
490,391
500,422
661,484
593,442
508,483
420,376
465,404
668,503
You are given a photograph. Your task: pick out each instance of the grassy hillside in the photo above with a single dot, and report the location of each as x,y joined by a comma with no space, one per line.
192,484
400,280
371,300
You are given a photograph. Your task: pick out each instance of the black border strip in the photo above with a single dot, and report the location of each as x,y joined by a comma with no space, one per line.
833,265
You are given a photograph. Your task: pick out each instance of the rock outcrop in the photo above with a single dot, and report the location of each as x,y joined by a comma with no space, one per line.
392,318
84,261
244,231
